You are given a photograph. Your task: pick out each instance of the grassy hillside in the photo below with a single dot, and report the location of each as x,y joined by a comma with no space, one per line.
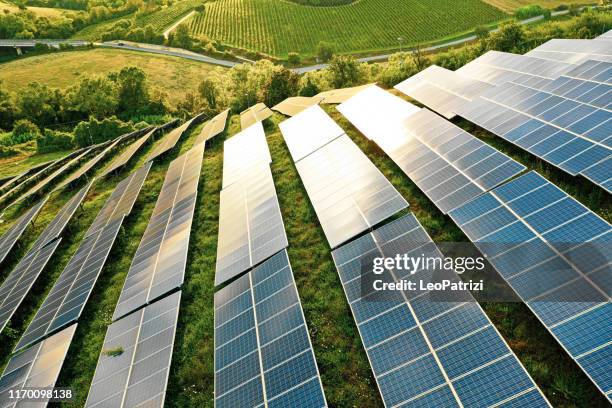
172,75
160,20
6,7
14,165
277,27
343,364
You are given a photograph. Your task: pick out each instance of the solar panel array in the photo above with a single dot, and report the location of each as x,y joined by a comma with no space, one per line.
36,368
159,264
349,194
243,151
256,113
170,140
213,127
555,254
568,134
450,165
121,200
309,131
128,153
573,51
9,182
19,282
251,226
263,354
89,165
426,352
12,235
41,185
66,300
335,96
296,104
138,375
605,36
442,90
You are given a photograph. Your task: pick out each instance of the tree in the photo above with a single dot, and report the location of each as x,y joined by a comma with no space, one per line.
325,51
419,59
282,84
7,109
200,8
209,91
345,71
182,37
133,90
510,37
95,96
39,103
23,131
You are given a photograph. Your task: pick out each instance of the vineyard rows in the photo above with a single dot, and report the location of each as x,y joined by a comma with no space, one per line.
278,27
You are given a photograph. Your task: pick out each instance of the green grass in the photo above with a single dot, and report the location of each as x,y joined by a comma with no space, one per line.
344,368
14,165
278,27
160,20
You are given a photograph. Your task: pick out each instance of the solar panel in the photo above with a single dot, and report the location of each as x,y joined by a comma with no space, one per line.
442,90
35,368
296,104
89,165
308,131
450,165
134,364
256,113
570,135
127,154
263,353
24,182
9,182
366,110
66,300
573,51
349,194
426,352
496,67
605,36
122,199
335,96
159,264
170,140
41,185
251,225
555,254
19,282
213,127
12,235
243,151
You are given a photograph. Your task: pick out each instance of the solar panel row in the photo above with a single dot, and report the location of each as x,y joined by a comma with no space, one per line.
605,36
426,352
335,96
159,264
570,135
66,300
11,236
573,51
256,113
36,368
348,193
171,139
127,154
134,363
296,104
243,151
555,254
442,90
19,282
213,127
251,226
121,200
11,181
89,165
263,354
450,165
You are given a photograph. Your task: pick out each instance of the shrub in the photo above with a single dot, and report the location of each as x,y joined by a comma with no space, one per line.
52,141
526,12
23,131
325,51
97,131
294,58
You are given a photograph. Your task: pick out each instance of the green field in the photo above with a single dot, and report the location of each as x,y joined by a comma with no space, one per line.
278,27
160,20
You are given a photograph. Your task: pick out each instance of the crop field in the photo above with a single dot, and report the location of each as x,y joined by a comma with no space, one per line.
278,27
160,20
512,5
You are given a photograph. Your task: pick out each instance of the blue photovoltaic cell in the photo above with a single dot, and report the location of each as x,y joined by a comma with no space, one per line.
425,352
558,123
261,339
448,164
559,263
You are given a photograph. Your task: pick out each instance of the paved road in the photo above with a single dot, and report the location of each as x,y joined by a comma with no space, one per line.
32,43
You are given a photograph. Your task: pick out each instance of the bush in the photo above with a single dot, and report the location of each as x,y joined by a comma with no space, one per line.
526,12
23,131
294,58
325,51
97,131
52,141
